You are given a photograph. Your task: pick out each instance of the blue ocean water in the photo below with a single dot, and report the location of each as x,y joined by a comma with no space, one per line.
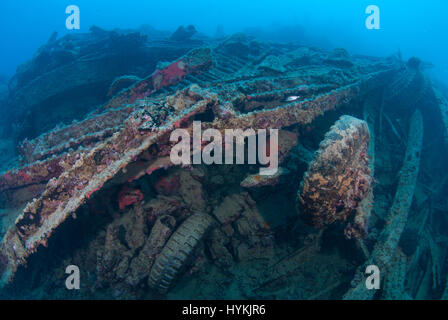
417,28
357,89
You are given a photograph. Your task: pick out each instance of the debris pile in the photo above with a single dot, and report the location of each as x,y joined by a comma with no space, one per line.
219,227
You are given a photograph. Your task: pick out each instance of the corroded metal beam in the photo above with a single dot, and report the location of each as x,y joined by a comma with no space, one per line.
385,249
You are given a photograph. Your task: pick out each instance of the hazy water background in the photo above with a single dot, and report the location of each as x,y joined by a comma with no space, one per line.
417,28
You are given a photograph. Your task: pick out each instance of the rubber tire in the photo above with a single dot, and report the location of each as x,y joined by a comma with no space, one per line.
177,250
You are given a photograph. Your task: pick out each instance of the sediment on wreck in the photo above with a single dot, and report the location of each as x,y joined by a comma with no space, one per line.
280,271
385,249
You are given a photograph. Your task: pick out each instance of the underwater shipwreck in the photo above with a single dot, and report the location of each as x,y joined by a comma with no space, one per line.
362,177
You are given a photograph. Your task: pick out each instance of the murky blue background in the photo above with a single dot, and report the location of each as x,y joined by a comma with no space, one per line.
417,28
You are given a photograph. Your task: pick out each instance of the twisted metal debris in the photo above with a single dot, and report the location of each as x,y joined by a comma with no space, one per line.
128,137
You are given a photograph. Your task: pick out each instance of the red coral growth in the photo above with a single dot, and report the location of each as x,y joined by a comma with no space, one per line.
159,79
171,74
89,194
128,196
25,176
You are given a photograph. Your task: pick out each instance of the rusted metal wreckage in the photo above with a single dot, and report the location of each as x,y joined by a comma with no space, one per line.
237,84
